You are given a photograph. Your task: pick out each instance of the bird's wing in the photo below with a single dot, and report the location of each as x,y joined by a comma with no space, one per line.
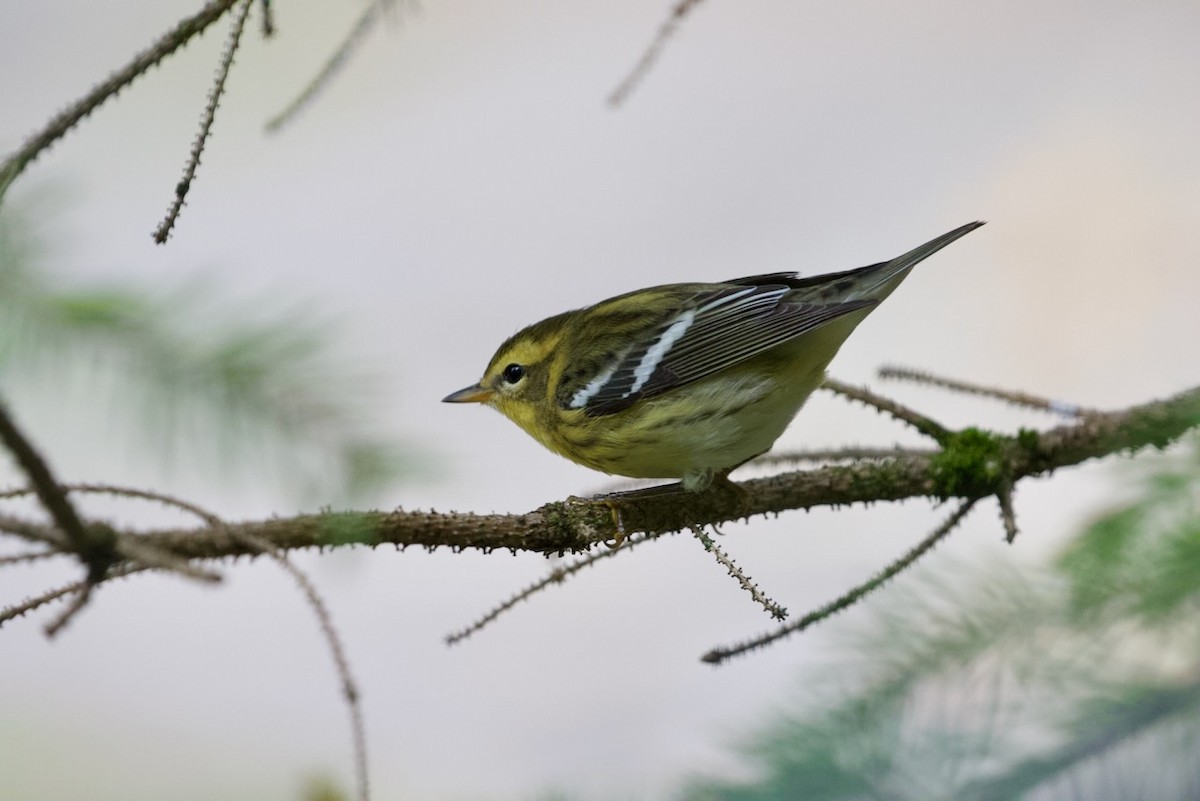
717,329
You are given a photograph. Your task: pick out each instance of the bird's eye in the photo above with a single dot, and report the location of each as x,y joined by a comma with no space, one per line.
513,373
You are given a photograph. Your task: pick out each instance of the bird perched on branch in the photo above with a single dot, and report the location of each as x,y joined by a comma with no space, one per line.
684,381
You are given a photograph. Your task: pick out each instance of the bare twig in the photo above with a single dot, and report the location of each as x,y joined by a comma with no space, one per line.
651,54
78,601
14,611
127,545
336,62
925,425
68,118
145,556
268,18
116,546
206,122
131,546
1008,396
719,655
337,650
142,553
1004,496
146,495
32,556
95,552
556,576
35,532
839,455
17,610
745,582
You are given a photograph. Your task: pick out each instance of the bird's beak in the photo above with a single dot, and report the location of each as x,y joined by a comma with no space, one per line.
472,394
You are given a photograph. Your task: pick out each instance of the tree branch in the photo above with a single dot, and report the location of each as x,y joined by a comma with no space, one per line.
332,66
46,487
164,228
718,655
967,467
69,117
649,57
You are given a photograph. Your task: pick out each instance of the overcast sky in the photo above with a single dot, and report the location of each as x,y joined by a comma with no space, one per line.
464,177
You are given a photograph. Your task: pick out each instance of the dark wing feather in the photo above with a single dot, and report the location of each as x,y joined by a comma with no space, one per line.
873,281
776,279
719,329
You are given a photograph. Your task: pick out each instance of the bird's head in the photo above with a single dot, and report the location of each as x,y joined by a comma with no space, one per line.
516,381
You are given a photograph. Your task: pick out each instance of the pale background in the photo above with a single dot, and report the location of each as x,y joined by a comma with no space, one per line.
464,177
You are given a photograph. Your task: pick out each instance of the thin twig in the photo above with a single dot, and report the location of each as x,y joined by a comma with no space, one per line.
1007,512
95,552
129,545
79,587
259,545
334,643
150,557
78,602
132,546
839,455
1009,396
69,117
925,425
651,54
15,611
268,18
556,576
206,122
32,556
35,532
745,582
336,62
719,655
143,495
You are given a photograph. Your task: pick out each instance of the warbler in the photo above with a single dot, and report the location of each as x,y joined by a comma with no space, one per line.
684,381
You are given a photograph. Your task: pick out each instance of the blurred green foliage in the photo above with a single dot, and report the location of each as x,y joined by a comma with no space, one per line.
323,788
1141,561
1078,682
247,390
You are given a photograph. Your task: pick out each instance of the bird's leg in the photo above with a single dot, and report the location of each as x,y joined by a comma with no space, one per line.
722,487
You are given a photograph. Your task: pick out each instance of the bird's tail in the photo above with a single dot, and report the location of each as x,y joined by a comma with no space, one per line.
876,281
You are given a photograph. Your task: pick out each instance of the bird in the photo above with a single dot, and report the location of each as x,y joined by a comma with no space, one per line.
686,381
